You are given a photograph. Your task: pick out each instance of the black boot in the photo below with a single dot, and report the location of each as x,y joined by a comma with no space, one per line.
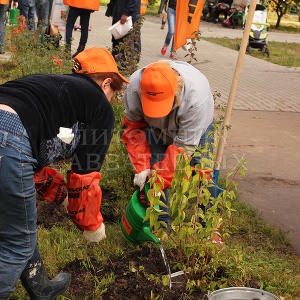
80,48
37,284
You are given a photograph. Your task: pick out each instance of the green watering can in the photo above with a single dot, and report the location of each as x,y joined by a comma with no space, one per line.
133,226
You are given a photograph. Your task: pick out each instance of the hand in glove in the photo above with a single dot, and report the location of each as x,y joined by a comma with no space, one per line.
84,200
140,178
95,236
50,184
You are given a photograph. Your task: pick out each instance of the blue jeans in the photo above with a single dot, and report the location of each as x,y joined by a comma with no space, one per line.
171,27
2,25
18,215
28,10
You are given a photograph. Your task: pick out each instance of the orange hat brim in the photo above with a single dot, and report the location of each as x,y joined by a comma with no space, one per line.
154,109
123,78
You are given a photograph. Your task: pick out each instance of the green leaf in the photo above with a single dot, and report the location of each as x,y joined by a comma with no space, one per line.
185,186
228,205
164,224
150,195
157,188
162,204
183,202
165,280
147,216
153,220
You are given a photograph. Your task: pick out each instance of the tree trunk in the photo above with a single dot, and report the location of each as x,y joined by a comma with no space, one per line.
278,21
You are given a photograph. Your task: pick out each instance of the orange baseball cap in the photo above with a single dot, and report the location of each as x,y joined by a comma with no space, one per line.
97,60
158,88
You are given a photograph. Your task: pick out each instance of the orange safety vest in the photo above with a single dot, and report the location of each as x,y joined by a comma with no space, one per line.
4,1
144,4
86,4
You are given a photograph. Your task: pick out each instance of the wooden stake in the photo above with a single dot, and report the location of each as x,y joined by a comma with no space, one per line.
234,85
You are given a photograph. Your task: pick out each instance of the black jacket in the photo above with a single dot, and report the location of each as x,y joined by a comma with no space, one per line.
46,102
117,8
172,4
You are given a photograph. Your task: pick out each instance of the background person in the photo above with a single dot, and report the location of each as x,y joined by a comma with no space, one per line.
43,12
171,13
82,9
32,109
126,50
162,11
28,11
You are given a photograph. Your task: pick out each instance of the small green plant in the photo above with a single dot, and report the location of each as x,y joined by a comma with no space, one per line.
197,214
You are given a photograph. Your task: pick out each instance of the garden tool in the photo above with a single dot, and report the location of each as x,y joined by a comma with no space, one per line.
133,226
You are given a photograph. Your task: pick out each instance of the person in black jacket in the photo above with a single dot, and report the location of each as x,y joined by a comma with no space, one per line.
130,45
45,118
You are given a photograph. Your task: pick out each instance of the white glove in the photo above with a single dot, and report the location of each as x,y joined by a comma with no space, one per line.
66,135
140,178
95,236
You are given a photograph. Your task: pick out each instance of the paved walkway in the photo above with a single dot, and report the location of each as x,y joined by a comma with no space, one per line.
265,122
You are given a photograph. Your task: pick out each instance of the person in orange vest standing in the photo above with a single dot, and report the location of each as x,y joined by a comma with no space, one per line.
82,8
3,7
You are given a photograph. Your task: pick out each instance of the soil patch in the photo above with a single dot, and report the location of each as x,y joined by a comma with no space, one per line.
49,214
110,210
135,276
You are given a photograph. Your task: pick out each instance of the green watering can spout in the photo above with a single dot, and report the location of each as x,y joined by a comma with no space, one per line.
133,226
150,236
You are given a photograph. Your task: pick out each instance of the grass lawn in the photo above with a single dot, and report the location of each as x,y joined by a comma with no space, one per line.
284,54
288,23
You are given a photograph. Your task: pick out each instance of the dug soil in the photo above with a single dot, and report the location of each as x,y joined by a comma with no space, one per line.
135,275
